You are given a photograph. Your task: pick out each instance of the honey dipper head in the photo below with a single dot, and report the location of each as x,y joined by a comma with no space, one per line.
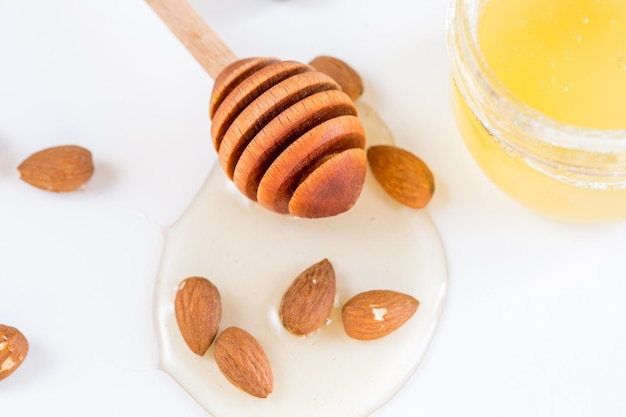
288,137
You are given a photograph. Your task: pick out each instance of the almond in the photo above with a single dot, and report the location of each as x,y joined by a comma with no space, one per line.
60,168
348,79
377,313
242,360
198,310
13,350
307,303
404,176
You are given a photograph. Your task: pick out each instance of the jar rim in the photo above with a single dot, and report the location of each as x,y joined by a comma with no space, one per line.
467,60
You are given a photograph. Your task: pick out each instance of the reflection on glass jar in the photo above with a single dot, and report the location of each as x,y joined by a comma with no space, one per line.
540,99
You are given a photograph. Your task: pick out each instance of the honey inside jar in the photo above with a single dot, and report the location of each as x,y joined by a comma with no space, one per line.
540,100
565,58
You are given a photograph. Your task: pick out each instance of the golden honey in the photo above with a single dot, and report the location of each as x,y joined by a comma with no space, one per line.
540,100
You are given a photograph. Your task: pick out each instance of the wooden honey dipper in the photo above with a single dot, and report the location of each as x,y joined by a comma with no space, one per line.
286,134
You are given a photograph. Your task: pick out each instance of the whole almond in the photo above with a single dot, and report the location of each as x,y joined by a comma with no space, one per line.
374,314
13,350
198,310
307,303
404,176
348,79
242,360
60,168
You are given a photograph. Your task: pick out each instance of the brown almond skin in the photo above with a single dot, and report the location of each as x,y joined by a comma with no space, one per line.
404,176
13,350
348,79
374,314
58,169
198,310
308,301
242,360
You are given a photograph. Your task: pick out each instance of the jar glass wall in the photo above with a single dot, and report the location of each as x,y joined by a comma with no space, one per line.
558,166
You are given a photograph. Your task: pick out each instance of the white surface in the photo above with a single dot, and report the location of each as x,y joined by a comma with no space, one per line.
533,324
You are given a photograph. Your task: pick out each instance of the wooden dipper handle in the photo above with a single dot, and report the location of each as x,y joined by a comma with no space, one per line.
286,134
193,32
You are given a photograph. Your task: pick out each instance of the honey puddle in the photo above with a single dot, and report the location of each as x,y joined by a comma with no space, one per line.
252,256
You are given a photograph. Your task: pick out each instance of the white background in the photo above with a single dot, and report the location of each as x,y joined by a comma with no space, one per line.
534,323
